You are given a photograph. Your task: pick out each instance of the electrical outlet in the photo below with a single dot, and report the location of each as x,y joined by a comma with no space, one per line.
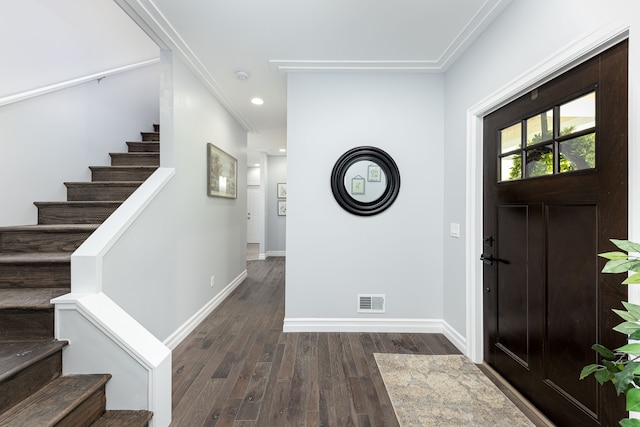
454,230
213,281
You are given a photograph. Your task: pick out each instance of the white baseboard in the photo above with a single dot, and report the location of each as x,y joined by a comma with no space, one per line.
363,325
421,326
455,337
183,331
275,253
262,257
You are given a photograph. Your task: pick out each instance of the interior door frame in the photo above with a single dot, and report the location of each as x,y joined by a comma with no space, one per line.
588,47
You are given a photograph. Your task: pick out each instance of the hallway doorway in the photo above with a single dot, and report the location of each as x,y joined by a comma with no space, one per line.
253,251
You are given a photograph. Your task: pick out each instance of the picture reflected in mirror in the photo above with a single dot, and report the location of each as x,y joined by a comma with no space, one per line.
365,181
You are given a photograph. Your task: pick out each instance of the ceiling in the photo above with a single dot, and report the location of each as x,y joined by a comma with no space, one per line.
268,39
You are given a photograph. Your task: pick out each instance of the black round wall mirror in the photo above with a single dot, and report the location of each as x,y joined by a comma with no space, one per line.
365,181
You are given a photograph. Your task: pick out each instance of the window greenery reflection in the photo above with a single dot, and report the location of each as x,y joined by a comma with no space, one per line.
578,153
575,154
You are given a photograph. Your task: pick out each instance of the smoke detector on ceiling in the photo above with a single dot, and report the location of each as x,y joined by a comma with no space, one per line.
242,75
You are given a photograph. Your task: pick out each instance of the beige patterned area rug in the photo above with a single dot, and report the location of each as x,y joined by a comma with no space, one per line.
445,391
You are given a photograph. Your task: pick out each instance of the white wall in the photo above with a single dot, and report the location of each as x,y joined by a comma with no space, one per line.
50,41
276,225
160,270
515,48
54,138
333,255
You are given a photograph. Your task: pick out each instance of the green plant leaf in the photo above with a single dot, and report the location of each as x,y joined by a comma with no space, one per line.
625,315
627,328
614,255
624,379
612,367
630,349
626,245
633,399
633,309
604,375
620,266
588,370
635,335
604,351
629,422
634,279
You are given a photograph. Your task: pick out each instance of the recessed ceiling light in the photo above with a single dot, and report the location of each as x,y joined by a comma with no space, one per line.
257,101
283,150
256,165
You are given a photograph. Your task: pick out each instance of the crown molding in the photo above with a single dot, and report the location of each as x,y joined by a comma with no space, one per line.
286,66
478,23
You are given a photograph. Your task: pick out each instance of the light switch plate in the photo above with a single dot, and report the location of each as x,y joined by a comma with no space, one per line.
455,230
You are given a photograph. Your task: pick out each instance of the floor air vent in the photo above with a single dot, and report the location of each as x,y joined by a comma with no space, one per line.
370,303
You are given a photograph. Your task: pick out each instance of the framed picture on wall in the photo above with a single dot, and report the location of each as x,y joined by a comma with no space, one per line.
282,208
357,185
222,173
282,190
373,173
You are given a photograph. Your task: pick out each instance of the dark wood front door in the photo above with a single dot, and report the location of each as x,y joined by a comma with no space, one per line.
555,191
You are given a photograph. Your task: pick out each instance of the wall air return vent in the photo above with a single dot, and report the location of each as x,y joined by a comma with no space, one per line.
370,303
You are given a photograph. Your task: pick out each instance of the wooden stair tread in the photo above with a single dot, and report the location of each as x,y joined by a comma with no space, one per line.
106,183
137,153
123,418
150,142
35,257
124,167
143,146
16,356
52,403
51,227
29,298
80,204
150,136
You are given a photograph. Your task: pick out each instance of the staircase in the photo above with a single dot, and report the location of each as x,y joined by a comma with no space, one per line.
35,266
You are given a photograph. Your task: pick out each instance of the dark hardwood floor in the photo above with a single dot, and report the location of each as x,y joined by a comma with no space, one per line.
239,369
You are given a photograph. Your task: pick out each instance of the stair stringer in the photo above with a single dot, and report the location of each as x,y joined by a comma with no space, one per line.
102,336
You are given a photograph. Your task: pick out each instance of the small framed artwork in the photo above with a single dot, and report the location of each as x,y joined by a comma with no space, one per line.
373,173
222,173
282,208
357,185
282,190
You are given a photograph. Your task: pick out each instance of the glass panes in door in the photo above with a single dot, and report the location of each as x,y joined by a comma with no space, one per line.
557,140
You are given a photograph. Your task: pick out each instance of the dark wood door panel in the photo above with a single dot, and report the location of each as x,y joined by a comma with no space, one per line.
572,299
511,293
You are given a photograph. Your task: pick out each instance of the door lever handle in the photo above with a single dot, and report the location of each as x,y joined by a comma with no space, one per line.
487,259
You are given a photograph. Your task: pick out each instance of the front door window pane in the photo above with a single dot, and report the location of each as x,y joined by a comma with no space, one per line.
511,167
510,138
540,161
578,153
579,114
540,128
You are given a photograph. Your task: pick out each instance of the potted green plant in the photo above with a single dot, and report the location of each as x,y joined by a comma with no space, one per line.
621,366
